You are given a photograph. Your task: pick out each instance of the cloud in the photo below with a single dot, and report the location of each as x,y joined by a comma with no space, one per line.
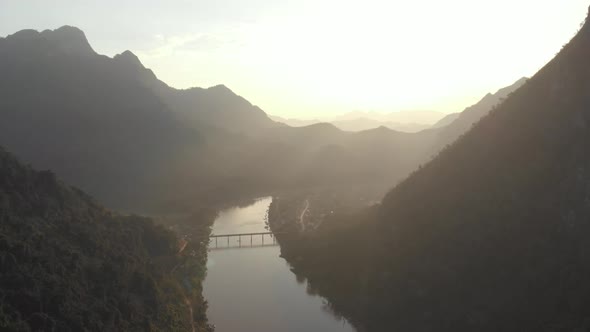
205,42
191,43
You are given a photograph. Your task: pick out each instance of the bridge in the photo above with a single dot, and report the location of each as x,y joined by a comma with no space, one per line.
244,240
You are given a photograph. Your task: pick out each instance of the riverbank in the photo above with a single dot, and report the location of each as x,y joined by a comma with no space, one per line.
326,253
253,289
193,230
190,270
206,276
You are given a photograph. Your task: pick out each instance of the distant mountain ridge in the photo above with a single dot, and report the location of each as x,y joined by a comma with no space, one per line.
413,121
404,121
451,127
472,114
402,117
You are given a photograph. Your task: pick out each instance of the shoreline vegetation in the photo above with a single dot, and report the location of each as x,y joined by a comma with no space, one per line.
155,266
69,264
331,219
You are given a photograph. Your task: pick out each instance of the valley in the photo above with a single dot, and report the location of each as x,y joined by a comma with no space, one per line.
114,185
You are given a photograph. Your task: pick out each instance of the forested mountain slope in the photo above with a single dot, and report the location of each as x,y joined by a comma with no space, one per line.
66,108
492,235
500,219
68,264
108,125
456,124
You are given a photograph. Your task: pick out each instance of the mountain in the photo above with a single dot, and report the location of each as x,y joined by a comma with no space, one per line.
295,122
217,106
58,99
359,124
321,156
491,235
108,125
415,121
65,40
447,120
68,264
362,124
402,117
458,123
111,127
404,121
454,125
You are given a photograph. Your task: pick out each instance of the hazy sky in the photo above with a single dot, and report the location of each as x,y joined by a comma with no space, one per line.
309,58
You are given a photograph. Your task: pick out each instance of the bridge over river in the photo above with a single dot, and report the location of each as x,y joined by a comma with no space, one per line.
244,240
255,289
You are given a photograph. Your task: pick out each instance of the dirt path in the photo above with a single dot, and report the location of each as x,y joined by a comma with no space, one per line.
187,302
190,310
301,223
182,246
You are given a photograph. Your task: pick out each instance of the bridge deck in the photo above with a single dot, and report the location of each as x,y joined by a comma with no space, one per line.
245,234
213,239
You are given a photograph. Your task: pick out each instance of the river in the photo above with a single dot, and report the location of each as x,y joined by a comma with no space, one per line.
253,289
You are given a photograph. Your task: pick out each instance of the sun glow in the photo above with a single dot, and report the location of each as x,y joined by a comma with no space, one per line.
309,58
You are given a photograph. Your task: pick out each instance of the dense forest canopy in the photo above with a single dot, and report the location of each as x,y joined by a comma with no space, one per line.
68,264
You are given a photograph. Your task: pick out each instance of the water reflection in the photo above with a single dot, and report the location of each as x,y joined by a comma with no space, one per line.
254,290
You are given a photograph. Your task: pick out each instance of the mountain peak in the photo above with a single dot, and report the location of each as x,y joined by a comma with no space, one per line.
129,61
67,39
129,58
521,81
24,34
69,31
221,88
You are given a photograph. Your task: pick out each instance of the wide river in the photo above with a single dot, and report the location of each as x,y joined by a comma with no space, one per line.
253,289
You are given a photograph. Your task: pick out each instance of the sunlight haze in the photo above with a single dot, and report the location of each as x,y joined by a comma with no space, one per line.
295,165
320,58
